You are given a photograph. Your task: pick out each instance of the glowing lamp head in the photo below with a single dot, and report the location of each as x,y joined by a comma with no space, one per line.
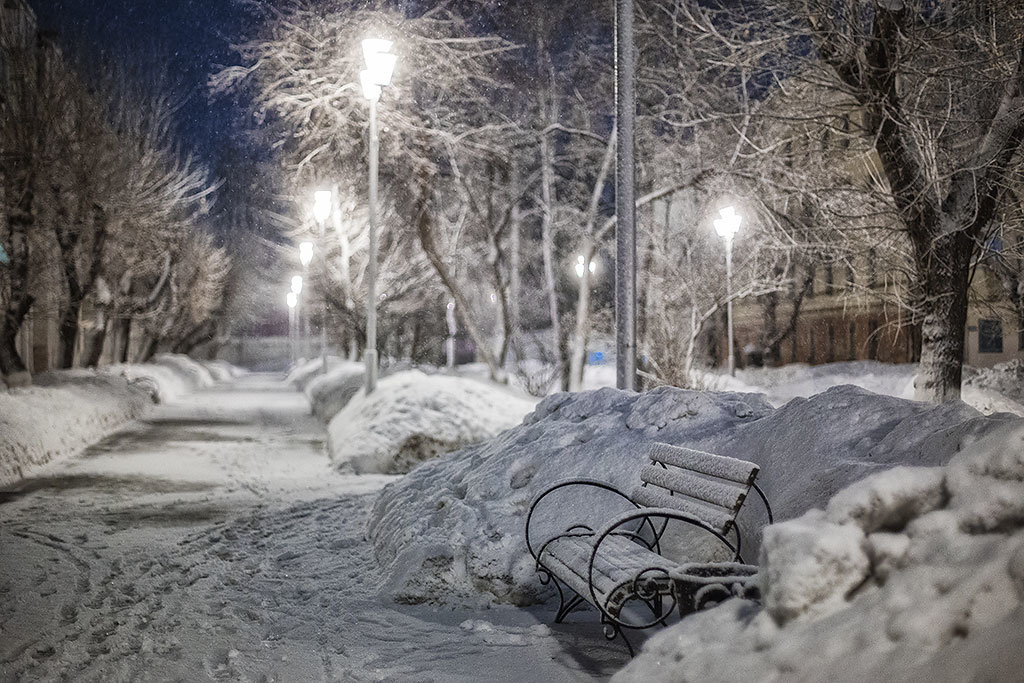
371,90
305,253
292,299
297,284
380,67
728,224
582,266
322,205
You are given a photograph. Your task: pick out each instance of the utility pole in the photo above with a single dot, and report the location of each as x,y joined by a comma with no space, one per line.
625,199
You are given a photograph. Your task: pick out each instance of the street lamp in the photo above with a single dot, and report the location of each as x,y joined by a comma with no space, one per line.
292,300
306,254
726,227
582,266
380,66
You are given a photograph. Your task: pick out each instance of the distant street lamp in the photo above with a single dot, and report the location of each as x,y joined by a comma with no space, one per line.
306,254
726,227
292,300
380,66
583,266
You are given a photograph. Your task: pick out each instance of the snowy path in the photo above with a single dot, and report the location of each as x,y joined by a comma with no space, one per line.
212,541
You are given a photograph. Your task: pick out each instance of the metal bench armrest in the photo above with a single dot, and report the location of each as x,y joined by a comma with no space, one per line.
645,514
592,483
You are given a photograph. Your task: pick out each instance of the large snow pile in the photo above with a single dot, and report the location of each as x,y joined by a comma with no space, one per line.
64,413
331,392
168,377
453,528
412,417
68,410
999,388
915,573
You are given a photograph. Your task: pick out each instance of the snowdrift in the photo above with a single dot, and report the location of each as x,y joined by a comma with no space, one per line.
453,528
412,417
329,393
68,410
915,573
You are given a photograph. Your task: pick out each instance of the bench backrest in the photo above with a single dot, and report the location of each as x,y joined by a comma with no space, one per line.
709,487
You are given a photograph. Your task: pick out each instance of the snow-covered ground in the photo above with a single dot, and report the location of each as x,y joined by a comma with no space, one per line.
66,411
412,417
213,540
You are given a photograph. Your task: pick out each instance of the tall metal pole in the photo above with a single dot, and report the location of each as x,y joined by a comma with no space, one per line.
728,305
291,334
323,299
371,270
625,200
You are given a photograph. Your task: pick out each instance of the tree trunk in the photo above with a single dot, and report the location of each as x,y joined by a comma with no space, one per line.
94,342
425,232
20,221
945,271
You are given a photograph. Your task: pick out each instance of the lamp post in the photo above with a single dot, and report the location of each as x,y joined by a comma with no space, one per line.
380,65
322,203
582,266
297,291
292,300
726,227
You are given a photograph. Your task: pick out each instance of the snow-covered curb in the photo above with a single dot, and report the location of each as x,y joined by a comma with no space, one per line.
452,529
915,573
69,410
412,417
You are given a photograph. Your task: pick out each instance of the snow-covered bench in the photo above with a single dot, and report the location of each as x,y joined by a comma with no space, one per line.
620,568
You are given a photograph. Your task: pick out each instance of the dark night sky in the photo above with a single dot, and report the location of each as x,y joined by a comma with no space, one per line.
193,36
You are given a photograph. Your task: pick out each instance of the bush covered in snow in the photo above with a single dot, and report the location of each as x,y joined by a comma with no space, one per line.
454,526
413,417
329,393
915,573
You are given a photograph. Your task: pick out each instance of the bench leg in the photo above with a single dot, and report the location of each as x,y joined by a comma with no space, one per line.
613,631
565,607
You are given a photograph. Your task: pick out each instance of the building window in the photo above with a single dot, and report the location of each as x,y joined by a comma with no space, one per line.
831,358
990,336
853,341
810,355
829,279
849,277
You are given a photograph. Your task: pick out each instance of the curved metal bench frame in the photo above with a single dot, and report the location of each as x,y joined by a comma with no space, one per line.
613,623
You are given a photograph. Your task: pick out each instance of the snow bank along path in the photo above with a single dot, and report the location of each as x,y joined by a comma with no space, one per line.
67,411
915,573
413,417
452,529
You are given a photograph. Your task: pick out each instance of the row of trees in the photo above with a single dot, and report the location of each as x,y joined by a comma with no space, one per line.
103,215
881,135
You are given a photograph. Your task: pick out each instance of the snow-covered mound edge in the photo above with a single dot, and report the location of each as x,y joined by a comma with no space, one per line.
910,574
66,411
329,393
413,417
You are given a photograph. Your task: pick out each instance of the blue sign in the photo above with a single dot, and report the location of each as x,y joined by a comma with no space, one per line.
4,258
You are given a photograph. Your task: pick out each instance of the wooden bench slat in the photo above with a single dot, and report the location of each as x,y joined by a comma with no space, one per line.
726,495
717,518
721,466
